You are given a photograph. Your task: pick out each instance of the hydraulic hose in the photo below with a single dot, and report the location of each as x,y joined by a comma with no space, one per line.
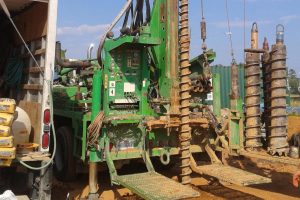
112,25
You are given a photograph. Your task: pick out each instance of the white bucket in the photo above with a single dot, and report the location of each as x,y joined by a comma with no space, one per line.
21,127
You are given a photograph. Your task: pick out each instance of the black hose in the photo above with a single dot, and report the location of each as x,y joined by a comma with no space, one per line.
141,13
135,16
122,12
148,10
126,19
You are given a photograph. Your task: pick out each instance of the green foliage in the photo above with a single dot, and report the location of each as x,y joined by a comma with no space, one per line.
293,81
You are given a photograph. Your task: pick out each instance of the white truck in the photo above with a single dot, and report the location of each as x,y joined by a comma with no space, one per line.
26,72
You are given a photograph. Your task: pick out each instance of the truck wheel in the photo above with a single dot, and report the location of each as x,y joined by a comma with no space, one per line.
64,162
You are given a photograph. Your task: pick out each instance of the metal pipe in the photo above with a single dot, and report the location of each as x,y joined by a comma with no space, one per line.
89,51
217,94
185,129
96,93
254,51
93,178
68,64
278,130
252,97
254,36
234,81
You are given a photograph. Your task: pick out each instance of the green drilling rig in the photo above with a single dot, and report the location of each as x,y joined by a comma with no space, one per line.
141,99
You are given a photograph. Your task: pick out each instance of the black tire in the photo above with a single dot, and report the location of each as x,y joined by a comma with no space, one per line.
64,161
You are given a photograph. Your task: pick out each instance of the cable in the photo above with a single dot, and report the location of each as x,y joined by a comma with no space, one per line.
229,31
113,24
3,5
94,130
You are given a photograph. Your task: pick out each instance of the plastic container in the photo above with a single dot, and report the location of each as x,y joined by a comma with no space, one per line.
5,131
7,105
7,153
21,127
7,141
6,119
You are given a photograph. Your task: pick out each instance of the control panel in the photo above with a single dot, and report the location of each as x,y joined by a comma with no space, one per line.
124,81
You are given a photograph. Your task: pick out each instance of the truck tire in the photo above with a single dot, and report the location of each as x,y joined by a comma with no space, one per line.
64,161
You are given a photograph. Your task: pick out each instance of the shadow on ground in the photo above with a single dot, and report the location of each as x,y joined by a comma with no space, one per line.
281,175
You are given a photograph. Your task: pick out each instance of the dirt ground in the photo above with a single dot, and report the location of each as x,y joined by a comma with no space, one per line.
293,125
280,188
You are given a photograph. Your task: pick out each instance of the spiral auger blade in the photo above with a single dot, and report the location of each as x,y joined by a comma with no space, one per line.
185,84
278,144
253,96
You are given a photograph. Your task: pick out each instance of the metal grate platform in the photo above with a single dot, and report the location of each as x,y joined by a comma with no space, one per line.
153,186
233,175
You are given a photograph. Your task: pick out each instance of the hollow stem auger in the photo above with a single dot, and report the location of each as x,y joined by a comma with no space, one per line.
252,98
278,128
185,130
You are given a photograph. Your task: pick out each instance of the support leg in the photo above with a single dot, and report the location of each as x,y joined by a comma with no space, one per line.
93,181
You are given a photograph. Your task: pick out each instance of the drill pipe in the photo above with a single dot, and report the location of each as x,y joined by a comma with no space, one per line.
234,81
278,136
266,86
185,82
252,98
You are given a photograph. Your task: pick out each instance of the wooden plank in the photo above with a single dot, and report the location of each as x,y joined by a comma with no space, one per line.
39,52
33,109
32,23
35,53
32,87
22,197
34,156
33,70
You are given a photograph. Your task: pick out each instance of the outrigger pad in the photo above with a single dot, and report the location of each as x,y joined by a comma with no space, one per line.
233,175
153,186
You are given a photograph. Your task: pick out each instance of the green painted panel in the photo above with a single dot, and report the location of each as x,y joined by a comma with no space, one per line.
225,77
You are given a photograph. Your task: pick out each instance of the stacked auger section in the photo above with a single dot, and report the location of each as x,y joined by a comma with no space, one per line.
266,71
252,98
278,130
185,130
234,81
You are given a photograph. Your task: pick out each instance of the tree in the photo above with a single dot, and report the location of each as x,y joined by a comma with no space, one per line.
293,81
